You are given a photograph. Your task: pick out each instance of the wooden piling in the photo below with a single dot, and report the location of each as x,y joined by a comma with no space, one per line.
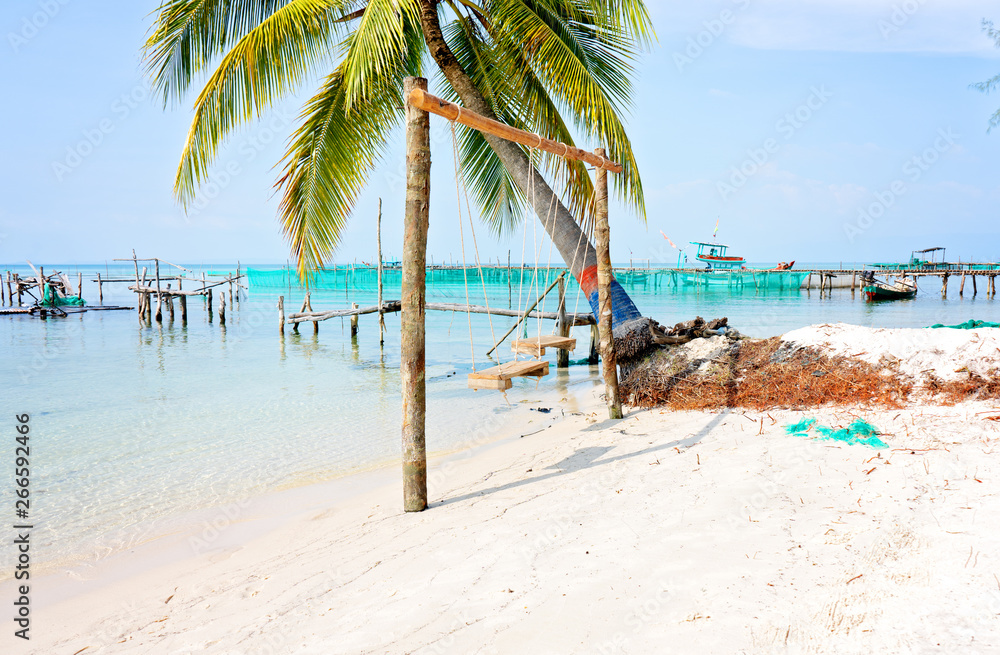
378,241
100,290
412,329
309,308
281,315
944,285
222,308
602,233
974,289
183,301
961,286
79,284
354,321
170,304
231,305
159,296
562,327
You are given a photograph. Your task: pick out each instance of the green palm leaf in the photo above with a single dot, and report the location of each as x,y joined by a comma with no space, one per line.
338,144
261,68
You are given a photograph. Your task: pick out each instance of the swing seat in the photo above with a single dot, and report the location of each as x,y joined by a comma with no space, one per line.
498,377
536,346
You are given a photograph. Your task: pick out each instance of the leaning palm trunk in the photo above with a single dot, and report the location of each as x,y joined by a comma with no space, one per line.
566,234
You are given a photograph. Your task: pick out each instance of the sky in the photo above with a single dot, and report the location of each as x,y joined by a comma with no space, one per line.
813,130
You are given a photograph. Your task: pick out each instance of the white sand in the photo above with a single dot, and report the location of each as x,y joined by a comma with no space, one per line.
947,353
660,533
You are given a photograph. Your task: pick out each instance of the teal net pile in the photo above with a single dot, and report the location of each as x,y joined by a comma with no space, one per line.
56,299
970,324
859,432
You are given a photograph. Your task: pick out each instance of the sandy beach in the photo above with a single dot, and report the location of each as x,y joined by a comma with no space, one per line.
663,532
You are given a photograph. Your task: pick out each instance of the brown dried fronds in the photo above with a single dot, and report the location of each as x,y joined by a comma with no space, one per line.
973,387
759,375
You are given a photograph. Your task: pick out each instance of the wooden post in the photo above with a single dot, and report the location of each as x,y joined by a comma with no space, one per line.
354,321
602,233
170,304
79,284
944,285
222,308
309,308
412,347
208,297
595,340
3,298
378,240
17,283
159,296
961,286
231,305
562,355
510,286
100,290
809,281
183,301
281,315
974,289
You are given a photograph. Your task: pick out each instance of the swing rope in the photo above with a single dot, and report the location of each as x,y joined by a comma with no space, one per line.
460,182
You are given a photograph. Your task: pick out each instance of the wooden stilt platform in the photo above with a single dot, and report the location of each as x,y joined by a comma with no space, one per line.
498,377
536,346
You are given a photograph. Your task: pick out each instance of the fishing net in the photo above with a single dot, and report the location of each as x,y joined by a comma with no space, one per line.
859,432
56,299
970,324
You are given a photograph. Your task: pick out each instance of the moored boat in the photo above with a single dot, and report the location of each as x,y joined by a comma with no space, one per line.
875,289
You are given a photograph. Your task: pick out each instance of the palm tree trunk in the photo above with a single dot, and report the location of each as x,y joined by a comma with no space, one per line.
564,231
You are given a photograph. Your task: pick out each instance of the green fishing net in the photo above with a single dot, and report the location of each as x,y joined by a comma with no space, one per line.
970,324
858,432
56,299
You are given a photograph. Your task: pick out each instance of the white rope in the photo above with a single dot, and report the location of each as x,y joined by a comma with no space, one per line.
475,246
461,236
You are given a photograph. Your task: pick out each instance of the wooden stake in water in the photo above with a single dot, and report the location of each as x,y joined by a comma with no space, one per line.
378,241
281,315
602,232
100,290
412,345
354,321
183,301
562,327
159,296
222,309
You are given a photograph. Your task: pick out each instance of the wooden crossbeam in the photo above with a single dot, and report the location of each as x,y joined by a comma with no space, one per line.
536,345
427,102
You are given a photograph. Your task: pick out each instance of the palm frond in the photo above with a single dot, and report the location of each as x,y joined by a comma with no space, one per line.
584,59
261,68
189,34
335,149
377,42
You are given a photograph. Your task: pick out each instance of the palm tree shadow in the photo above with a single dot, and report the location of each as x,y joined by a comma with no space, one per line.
586,458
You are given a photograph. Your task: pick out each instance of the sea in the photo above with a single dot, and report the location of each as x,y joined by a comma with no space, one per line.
135,427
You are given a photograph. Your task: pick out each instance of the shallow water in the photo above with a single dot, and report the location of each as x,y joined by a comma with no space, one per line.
133,426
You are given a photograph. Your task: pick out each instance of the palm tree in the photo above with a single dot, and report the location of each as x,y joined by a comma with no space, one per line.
539,65
993,83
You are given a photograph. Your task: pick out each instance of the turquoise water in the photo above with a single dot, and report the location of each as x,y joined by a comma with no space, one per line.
134,426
